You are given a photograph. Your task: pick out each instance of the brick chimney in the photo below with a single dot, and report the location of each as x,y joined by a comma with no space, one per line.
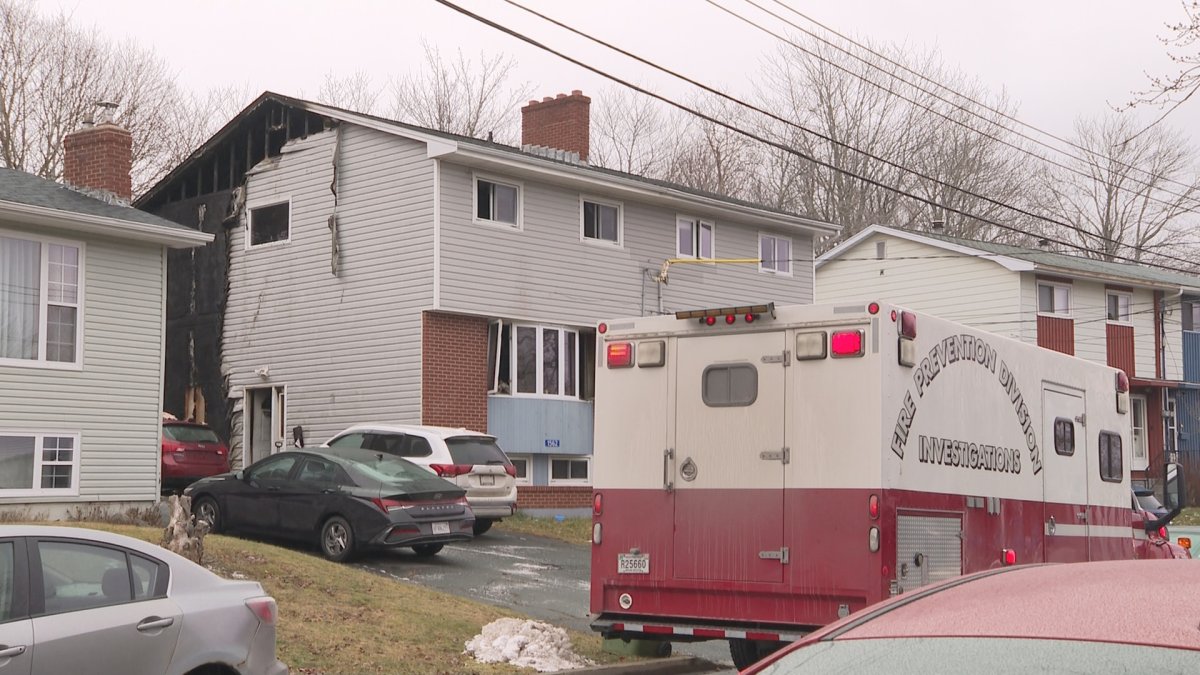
560,122
98,157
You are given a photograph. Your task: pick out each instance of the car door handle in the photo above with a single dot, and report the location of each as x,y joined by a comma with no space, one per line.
273,488
7,652
328,491
154,623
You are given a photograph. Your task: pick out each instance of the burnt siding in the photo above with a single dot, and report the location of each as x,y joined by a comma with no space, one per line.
197,291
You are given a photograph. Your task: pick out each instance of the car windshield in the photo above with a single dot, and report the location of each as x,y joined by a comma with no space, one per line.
1149,502
475,450
188,433
921,656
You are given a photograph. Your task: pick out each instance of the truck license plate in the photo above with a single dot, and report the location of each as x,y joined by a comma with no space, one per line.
633,563
441,528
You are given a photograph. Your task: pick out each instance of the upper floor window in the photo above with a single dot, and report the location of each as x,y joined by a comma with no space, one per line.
270,224
40,301
1191,315
1053,298
694,238
497,202
601,221
1118,306
37,464
775,254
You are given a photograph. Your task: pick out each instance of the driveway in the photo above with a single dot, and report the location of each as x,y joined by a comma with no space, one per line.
543,578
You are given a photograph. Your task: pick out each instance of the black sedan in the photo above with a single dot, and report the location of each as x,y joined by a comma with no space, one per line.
347,502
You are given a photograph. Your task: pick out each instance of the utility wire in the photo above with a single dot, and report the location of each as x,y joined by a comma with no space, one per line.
961,95
1195,200
791,150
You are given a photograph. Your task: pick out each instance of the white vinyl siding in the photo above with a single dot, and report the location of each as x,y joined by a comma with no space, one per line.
543,274
962,288
347,346
113,401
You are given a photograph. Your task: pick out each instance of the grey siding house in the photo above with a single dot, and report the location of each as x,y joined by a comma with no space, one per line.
366,270
82,288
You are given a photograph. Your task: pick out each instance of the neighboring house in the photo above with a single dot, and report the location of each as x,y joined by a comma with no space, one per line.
1139,319
83,279
367,270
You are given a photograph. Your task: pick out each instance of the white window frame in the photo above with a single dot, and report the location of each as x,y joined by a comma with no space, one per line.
250,222
697,224
619,206
475,178
1128,320
528,459
38,447
44,301
551,480
1070,299
1138,420
762,263
513,354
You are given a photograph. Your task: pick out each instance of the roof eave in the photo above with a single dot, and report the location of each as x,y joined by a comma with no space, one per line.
1007,262
750,215
103,225
1113,278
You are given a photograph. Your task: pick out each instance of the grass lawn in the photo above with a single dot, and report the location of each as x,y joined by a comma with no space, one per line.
339,619
572,530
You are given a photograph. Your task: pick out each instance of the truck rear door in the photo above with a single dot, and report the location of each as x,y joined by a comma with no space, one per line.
728,467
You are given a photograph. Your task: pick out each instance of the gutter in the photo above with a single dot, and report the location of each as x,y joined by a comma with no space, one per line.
103,225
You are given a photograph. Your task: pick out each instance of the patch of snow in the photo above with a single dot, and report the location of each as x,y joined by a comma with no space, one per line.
238,575
527,644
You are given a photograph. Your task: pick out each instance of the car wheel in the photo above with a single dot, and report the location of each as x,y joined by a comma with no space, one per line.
427,550
206,509
481,525
746,653
337,539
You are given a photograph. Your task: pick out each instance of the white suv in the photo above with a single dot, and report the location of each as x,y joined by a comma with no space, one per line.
469,459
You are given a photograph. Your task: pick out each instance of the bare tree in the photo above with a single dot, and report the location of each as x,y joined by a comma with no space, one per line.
355,92
1171,91
1135,195
630,132
709,156
461,96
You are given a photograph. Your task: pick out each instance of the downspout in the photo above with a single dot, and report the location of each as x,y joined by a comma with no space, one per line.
1159,335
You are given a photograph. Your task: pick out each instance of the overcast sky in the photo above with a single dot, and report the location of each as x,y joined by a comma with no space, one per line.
1057,59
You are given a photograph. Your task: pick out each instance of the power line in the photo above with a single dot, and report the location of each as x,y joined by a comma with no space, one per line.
961,95
793,151
1078,172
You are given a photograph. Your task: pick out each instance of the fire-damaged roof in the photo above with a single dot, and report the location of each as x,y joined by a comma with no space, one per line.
25,197
264,126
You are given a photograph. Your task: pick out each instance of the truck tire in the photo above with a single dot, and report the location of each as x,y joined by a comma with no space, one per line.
746,653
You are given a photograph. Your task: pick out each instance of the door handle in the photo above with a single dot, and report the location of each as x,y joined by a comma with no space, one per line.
8,652
154,623
328,491
273,488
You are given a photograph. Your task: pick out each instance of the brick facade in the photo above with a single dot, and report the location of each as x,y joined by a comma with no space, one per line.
99,158
454,351
560,122
554,497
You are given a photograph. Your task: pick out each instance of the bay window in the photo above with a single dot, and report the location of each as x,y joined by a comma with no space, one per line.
539,360
40,301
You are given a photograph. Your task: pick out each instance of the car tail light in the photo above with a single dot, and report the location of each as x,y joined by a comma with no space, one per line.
221,450
845,343
1162,532
620,354
597,504
172,446
873,506
264,608
387,505
1010,556
908,325
451,470
511,469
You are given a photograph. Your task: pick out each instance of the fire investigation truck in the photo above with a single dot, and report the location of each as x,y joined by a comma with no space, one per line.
761,471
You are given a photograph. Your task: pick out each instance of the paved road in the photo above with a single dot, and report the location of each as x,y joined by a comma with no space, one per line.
544,578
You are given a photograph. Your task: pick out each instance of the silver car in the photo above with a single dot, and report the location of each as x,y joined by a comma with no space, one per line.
74,600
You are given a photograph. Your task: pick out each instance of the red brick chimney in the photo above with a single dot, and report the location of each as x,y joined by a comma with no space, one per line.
99,157
561,122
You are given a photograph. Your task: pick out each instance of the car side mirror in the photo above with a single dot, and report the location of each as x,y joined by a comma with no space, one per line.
1174,495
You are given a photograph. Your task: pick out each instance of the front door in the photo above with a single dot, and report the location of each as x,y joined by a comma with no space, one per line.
728,465
264,422
1065,476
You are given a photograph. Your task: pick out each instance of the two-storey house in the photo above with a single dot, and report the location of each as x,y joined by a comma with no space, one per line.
83,278
1136,318
368,270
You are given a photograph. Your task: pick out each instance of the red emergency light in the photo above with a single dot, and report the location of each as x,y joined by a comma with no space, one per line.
620,354
709,320
873,506
597,504
1010,557
846,343
1122,382
730,319
873,308
602,328
908,325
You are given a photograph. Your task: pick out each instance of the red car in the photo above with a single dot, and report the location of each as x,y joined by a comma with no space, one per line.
1128,616
190,452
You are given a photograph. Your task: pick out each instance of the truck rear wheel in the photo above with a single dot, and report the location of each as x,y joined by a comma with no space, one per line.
746,653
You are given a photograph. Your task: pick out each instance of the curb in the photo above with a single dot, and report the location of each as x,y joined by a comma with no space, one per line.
674,665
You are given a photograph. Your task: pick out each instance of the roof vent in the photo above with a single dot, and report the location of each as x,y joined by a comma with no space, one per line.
553,153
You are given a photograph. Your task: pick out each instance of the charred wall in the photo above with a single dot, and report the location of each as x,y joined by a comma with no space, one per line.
197,288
